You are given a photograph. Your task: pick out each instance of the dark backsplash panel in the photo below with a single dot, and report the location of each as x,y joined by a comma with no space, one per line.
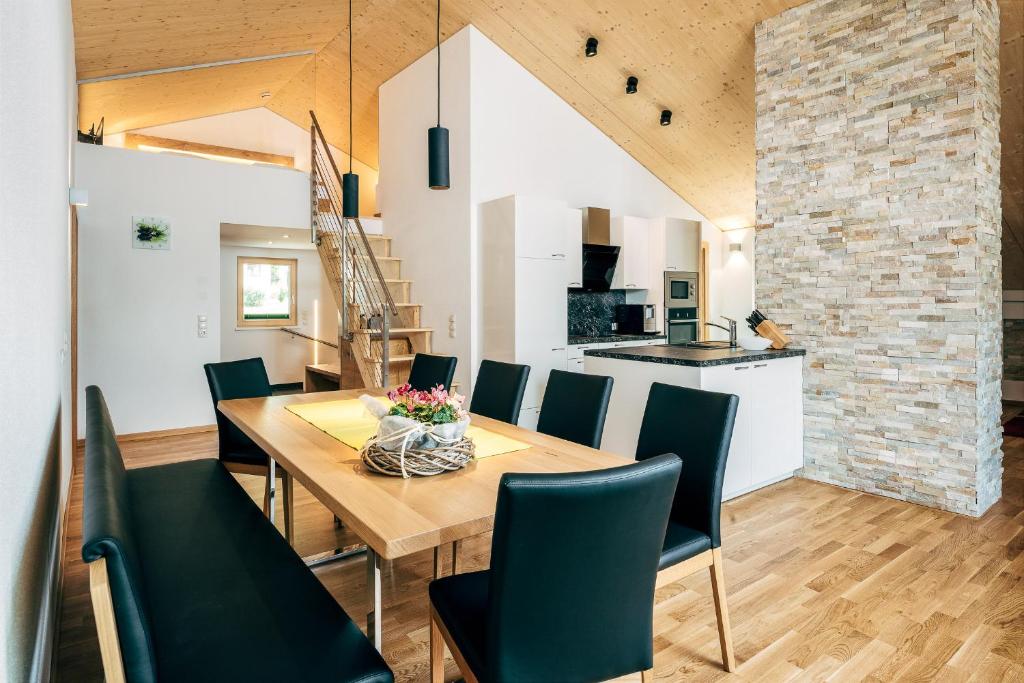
591,313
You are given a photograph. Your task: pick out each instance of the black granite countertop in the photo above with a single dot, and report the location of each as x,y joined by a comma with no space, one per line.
576,340
701,358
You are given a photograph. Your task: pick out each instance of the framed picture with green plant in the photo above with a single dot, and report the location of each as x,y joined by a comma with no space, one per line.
151,232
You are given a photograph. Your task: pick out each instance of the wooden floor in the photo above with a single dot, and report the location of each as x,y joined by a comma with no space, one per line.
823,583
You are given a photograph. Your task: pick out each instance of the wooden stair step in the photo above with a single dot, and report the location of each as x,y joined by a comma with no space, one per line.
394,359
396,330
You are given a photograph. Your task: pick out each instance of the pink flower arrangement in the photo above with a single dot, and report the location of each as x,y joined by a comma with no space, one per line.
436,406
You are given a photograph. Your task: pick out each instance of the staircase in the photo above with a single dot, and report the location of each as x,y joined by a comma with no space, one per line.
379,328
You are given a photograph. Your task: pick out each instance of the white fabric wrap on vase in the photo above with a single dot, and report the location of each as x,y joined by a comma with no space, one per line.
397,434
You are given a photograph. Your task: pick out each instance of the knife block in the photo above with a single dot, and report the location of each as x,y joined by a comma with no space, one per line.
771,331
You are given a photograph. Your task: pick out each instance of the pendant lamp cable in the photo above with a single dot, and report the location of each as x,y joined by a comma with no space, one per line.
438,63
351,151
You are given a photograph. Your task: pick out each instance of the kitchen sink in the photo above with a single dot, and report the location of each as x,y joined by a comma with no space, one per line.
706,345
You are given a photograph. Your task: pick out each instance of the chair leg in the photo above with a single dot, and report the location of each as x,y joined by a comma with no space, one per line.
289,506
436,652
266,497
722,610
647,676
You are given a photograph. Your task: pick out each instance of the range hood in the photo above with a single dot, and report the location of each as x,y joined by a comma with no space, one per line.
599,256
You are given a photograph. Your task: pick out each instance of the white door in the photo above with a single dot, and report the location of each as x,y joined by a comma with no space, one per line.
528,418
541,322
574,247
735,379
776,422
682,245
634,268
540,229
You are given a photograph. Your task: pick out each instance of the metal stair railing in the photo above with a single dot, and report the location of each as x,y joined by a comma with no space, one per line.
366,306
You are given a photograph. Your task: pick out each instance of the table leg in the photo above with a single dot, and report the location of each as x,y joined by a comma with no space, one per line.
437,562
374,616
272,483
455,557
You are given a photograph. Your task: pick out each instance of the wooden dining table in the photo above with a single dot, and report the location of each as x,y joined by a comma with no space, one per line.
397,517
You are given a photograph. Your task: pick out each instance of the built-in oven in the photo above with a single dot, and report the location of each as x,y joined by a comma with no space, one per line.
681,325
680,290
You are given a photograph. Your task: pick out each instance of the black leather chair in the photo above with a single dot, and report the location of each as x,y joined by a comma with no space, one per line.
570,592
499,390
428,371
190,582
575,406
239,454
697,425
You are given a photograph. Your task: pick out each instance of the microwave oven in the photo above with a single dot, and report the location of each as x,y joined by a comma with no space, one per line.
681,290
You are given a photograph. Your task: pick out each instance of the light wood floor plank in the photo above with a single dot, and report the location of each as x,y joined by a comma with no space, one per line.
823,584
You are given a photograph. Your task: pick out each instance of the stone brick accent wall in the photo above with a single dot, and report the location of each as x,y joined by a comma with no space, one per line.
878,239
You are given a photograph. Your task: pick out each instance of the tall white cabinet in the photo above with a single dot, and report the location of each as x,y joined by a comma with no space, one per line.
524,243
632,236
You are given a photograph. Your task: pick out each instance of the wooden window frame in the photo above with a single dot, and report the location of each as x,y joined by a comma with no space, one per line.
240,321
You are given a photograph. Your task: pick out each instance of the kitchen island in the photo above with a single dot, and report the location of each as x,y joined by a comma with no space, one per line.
767,442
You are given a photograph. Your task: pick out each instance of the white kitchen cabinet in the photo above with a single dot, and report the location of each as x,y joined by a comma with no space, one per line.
574,247
767,440
528,418
632,236
735,379
523,287
776,417
542,304
682,245
540,228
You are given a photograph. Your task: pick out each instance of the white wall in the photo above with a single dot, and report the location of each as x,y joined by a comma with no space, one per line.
431,228
510,134
258,130
37,117
285,355
137,308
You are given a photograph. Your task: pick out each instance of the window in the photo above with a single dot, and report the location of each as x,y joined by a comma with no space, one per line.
266,292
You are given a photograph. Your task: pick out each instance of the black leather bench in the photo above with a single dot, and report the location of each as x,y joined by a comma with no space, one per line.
200,585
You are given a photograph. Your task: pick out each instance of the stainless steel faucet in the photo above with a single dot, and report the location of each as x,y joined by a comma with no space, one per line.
731,329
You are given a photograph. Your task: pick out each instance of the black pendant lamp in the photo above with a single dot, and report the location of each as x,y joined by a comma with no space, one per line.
350,181
437,137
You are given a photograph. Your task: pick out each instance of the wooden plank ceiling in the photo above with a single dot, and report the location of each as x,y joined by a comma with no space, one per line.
692,56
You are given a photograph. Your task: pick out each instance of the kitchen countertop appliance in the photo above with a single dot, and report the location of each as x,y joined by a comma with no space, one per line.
681,290
635,319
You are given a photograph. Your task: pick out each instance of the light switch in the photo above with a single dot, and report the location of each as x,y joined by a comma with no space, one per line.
451,326
202,328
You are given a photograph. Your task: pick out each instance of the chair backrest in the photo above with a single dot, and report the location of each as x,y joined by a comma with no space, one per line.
572,573
107,532
575,406
236,379
697,426
428,371
499,389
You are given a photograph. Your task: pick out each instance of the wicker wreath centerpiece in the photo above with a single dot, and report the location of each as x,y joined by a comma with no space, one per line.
423,433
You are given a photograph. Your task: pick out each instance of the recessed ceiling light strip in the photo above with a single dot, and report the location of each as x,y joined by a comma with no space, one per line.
190,67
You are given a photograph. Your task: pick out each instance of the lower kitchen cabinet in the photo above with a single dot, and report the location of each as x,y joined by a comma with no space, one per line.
767,440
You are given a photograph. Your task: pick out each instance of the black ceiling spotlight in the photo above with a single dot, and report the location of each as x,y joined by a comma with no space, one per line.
591,46
666,117
631,84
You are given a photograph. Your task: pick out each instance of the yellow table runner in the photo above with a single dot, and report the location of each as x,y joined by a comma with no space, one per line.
349,422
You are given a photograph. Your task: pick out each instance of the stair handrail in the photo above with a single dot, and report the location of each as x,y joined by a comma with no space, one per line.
362,233
345,254
296,333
